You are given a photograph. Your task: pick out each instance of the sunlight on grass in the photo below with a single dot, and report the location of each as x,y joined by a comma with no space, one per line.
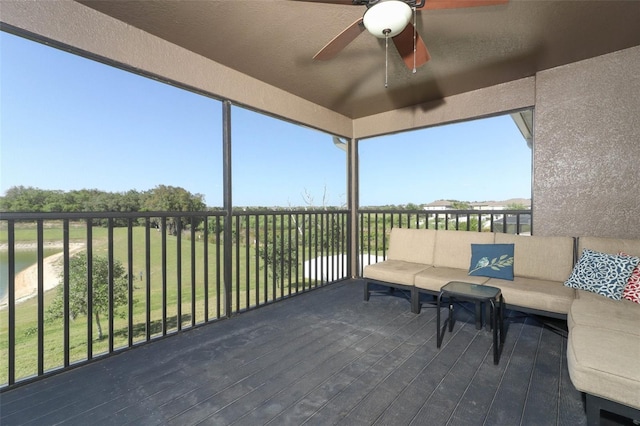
184,293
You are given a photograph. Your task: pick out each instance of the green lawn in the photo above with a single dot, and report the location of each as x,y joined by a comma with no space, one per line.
26,232
27,312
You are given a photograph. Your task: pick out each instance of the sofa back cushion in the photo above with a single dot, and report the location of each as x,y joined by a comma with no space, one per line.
544,258
453,248
412,245
609,245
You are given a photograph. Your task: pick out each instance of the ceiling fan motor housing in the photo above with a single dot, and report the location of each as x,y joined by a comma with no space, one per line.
387,18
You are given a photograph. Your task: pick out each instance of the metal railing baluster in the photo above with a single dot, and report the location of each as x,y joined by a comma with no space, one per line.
292,254
66,321
110,283
40,295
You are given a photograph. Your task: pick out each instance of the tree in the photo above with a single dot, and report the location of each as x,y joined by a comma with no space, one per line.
30,199
279,257
78,289
516,206
165,198
412,206
461,205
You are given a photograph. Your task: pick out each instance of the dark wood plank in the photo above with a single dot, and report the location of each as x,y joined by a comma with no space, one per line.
442,403
542,404
472,407
338,385
436,365
318,358
287,398
510,398
570,401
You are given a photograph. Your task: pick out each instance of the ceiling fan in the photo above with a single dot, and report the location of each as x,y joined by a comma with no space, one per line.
391,19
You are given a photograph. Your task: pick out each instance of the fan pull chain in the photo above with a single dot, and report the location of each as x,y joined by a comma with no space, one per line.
386,58
415,32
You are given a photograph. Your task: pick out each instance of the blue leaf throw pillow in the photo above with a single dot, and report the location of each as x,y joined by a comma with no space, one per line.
602,273
492,260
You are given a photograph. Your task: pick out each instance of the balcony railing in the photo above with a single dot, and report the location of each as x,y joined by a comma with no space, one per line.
148,275
125,279
375,226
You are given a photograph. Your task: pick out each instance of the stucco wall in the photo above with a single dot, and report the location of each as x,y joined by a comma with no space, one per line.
587,148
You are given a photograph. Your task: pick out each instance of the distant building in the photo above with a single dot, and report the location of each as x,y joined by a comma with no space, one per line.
501,205
480,205
439,205
443,205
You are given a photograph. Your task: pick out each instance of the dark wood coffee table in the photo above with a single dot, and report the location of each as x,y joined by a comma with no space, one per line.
478,294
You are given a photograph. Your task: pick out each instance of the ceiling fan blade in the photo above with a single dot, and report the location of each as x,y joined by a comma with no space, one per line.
404,44
349,2
456,4
340,41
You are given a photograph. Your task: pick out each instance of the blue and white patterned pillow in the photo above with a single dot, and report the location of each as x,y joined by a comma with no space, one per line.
602,273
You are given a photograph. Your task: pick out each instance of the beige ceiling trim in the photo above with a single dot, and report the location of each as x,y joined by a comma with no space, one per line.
85,29
488,101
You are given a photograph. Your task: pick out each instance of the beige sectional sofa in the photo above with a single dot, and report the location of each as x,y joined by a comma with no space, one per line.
423,260
604,334
603,348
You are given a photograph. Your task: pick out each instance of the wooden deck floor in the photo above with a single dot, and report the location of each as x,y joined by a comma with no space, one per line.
324,357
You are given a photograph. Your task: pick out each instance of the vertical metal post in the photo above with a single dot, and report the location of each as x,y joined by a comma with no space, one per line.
111,282
315,250
11,294
257,255
131,276
147,273
265,268
163,227
178,228
274,248
297,241
65,284
206,267
89,245
236,226
40,251
304,242
218,267
227,202
353,196
193,271
282,254
247,262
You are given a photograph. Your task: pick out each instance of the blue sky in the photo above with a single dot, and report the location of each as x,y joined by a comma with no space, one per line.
71,123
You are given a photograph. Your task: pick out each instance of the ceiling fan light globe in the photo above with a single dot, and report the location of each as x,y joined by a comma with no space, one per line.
387,17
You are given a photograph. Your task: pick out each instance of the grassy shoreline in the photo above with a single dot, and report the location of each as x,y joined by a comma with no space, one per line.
184,294
26,281
27,311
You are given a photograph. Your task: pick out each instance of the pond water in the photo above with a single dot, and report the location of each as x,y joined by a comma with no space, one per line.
24,259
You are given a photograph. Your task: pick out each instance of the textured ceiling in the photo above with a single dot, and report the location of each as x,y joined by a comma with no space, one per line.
275,40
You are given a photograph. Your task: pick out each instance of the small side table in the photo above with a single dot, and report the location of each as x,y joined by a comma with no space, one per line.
457,290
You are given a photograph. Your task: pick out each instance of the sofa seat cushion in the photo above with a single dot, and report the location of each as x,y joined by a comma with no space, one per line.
433,279
595,311
603,363
550,296
394,271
